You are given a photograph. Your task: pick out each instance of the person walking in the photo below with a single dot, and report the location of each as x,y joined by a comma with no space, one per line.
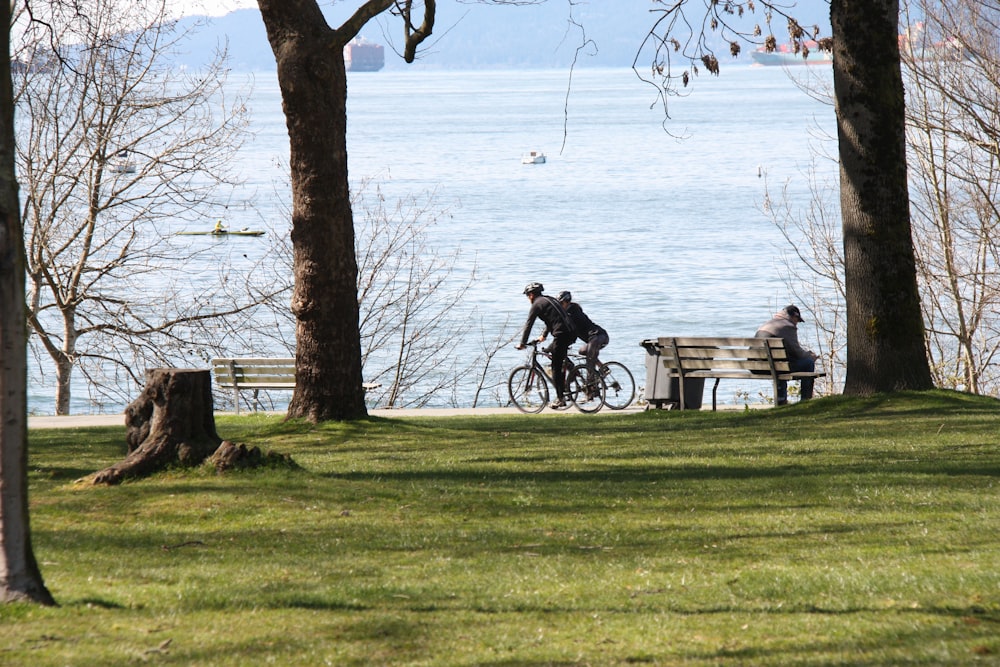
548,309
784,325
594,336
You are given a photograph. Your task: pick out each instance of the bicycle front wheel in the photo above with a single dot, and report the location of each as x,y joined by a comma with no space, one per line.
619,385
586,396
529,392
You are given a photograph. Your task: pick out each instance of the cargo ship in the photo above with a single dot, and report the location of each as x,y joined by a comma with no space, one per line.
912,44
785,54
360,55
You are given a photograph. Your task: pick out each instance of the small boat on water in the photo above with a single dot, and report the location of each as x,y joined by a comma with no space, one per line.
122,164
224,232
534,157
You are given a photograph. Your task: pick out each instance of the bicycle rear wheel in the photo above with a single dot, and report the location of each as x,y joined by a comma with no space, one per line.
619,385
586,397
529,392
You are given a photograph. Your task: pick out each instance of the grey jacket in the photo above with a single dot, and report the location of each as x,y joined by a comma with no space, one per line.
781,327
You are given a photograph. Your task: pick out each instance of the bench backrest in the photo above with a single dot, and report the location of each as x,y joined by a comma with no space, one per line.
273,373
761,355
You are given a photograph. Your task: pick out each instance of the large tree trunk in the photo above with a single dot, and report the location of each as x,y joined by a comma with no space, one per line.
313,82
20,578
885,332
171,422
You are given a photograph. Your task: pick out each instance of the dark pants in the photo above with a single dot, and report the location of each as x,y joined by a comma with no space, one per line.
591,349
560,347
800,365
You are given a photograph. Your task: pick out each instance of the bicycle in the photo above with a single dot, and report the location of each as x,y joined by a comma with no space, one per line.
619,385
529,385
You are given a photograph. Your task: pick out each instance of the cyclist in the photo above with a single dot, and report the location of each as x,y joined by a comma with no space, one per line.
556,321
595,337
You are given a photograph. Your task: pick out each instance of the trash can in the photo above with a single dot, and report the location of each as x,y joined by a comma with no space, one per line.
662,388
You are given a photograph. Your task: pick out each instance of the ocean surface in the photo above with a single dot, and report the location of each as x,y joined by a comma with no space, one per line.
655,224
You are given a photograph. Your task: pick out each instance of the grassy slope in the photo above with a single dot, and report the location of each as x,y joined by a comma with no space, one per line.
843,531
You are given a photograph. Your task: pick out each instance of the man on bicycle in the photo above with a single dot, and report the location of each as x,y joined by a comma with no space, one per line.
595,337
556,320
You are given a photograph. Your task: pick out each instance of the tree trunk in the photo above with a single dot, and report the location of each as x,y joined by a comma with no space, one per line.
885,331
64,378
171,422
20,578
313,82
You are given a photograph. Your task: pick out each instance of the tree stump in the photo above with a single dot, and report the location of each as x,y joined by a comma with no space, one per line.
171,422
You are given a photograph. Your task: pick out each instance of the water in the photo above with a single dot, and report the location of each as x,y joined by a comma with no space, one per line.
654,234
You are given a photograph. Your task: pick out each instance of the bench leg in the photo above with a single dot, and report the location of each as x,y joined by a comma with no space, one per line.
236,398
715,388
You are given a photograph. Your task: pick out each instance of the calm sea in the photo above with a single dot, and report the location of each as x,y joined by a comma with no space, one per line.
654,224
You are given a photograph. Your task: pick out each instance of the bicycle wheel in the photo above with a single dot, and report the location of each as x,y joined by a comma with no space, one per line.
586,398
619,385
528,389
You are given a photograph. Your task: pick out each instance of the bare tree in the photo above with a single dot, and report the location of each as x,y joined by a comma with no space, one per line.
814,268
409,296
116,147
411,312
20,578
952,61
487,379
885,349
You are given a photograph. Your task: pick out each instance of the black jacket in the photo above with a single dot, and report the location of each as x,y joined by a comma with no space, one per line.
583,326
548,310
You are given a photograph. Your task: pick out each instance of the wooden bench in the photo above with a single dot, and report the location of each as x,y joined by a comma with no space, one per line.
257,374
723,358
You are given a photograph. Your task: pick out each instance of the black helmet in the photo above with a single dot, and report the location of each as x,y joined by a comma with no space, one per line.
533,288
565,296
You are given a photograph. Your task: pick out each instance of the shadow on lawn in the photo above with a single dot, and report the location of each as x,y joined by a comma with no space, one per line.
646,474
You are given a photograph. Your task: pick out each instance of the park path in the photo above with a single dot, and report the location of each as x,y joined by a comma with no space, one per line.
78,421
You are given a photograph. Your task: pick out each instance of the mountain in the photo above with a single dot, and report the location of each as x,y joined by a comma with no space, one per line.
470,35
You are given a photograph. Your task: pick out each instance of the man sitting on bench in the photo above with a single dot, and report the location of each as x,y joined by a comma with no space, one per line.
784,326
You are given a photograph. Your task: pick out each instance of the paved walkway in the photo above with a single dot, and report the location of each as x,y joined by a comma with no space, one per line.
77,421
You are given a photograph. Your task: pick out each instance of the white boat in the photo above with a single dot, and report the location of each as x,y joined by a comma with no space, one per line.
534,157
122,164
124,168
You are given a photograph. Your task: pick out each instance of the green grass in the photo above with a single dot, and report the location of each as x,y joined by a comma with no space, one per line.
837,532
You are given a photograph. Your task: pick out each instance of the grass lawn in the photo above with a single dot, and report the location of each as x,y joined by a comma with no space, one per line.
837,532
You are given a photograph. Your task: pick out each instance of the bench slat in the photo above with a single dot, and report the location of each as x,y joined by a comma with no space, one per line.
746,342
728,364
263,375
254,361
